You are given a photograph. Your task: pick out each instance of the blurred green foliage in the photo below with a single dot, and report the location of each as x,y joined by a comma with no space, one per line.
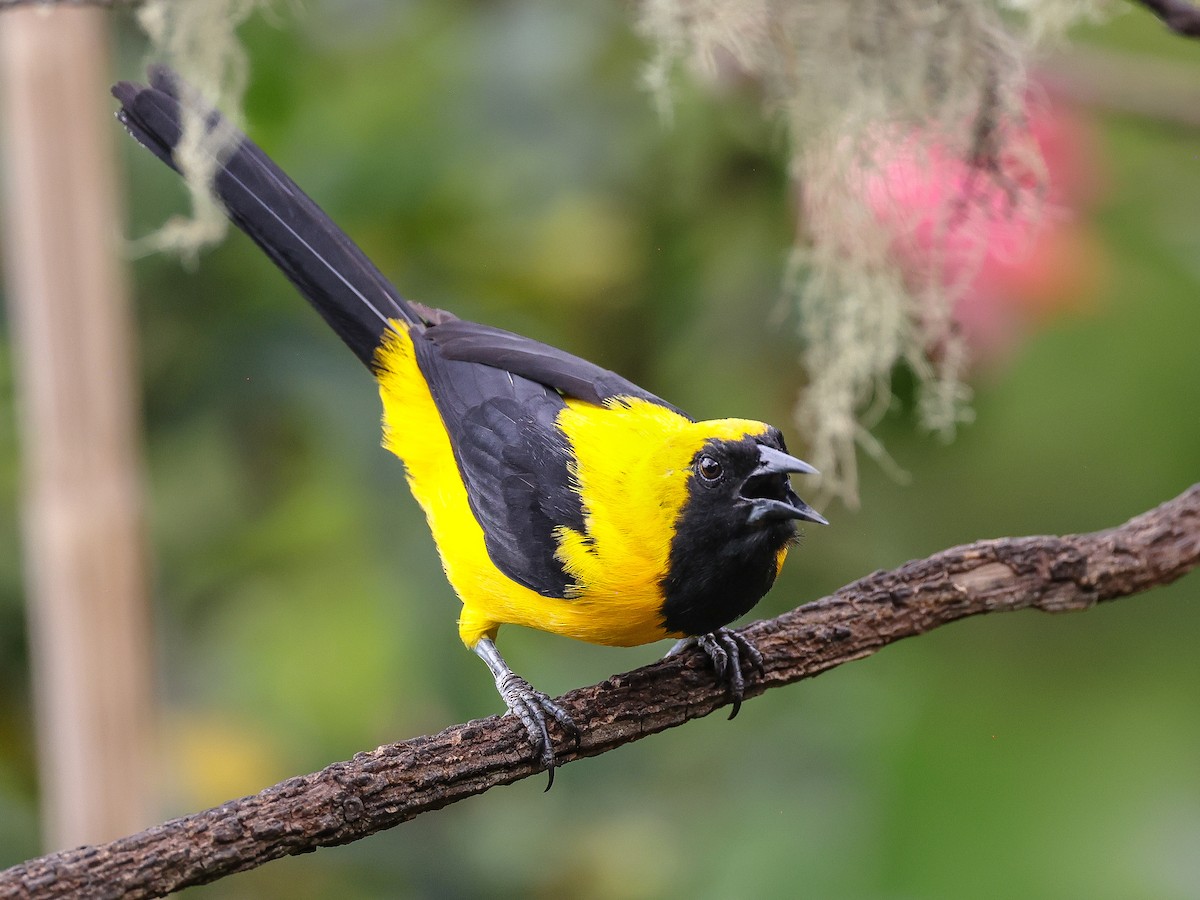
499,159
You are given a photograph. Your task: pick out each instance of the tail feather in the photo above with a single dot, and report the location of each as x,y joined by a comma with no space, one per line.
332,273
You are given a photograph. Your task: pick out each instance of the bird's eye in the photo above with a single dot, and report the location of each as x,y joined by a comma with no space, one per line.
709,468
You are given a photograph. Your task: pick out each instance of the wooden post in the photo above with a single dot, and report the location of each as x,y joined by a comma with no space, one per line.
84,546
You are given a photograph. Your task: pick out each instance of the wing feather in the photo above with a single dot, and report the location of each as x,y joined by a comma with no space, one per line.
514,462
565,373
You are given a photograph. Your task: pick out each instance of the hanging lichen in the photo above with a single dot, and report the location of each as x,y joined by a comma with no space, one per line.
874,94
198,38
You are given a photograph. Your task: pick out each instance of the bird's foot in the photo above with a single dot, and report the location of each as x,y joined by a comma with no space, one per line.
529,705
727,650
532,707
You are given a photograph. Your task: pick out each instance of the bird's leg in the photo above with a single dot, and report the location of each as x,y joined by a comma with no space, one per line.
528,705
726,650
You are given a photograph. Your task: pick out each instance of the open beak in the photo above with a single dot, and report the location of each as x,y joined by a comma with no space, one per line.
773,462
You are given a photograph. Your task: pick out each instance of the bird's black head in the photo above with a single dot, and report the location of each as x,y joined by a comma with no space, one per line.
734,529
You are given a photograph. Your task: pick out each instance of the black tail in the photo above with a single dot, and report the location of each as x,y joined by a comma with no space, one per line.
332,273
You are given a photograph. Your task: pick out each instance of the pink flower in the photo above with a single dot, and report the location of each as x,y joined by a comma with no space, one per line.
1013,255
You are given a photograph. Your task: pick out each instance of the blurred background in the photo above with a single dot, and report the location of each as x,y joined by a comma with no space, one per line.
500,160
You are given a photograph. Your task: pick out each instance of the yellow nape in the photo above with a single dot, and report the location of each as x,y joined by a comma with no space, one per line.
632,462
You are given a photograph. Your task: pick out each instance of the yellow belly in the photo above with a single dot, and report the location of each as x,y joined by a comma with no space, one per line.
620,609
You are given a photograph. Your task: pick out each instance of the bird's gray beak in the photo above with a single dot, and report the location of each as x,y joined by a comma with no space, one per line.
771,461
776,462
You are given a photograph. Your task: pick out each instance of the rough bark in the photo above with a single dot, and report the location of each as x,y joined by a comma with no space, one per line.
377,790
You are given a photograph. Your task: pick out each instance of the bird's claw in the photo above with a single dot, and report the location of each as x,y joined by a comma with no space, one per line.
727,650
528,705
531,707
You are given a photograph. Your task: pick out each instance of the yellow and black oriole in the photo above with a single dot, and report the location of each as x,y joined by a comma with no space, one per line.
561,496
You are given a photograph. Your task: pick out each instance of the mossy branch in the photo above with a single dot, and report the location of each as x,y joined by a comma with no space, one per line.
377,790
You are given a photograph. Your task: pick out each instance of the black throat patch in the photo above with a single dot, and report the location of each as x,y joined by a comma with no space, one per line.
720,566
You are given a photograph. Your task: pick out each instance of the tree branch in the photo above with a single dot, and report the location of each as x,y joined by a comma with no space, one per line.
377,790
1179,16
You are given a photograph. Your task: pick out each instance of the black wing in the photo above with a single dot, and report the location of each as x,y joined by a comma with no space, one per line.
513,460
567,374
499,395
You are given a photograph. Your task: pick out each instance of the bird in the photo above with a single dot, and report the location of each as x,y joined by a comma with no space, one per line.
561,496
